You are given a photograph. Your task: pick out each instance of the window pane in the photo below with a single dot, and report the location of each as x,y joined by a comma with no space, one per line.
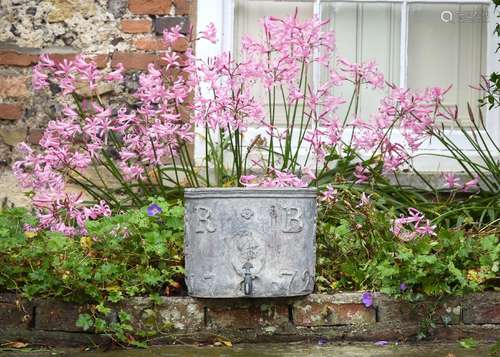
446,45
248,14
367,31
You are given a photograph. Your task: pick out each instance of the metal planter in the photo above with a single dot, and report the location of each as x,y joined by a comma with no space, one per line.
250,242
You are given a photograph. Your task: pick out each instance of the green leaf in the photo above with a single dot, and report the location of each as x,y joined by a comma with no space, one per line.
152,277
489,243
57,242
468,343
85,322
100,325
124,317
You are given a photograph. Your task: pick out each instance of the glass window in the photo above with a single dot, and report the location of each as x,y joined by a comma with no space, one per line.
446,45
247,22
363,32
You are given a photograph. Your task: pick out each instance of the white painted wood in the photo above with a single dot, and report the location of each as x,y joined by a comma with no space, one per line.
403,45
492,65
210,11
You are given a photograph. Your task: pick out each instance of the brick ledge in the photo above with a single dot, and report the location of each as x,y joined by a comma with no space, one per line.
336,317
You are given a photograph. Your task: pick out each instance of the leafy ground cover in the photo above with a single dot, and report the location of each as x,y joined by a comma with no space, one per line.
124,255
362,245
139,252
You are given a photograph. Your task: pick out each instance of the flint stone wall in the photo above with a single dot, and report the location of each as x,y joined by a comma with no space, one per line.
333,317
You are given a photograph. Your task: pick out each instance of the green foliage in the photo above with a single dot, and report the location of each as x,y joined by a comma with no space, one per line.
468,343
133,254
357,251
495,349
122,256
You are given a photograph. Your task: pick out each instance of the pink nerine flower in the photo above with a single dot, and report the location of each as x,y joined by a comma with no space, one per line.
172,34
249,181
276,179
116,75
330,195
366,72
407,228
364,201
361,174
425,229
450,180
39,78
210,33
224,96
472,185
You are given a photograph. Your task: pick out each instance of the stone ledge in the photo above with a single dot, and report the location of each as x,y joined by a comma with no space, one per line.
53,338
171,314
334,317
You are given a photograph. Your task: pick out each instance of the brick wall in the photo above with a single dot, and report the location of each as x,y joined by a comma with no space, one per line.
331,317
111,31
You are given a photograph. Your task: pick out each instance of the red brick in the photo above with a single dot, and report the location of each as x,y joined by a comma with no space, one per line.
150,7
156,43
182,7
12,111
134,61
246,315
150,43
328,310
482,308
136,26
53,315
13,87
457,332
101,60
391,310
180,45
13,58
170,313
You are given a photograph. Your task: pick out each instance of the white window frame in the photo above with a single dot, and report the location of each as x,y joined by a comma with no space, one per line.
221,13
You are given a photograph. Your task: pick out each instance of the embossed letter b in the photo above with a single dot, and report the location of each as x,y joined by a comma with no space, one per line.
205,223
292,222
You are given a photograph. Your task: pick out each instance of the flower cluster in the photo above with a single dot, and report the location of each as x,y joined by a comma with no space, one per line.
407,228
268,85
452,182
413,112
90,135
277,179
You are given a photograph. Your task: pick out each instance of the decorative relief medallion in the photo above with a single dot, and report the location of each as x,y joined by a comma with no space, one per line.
247,213
246,247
